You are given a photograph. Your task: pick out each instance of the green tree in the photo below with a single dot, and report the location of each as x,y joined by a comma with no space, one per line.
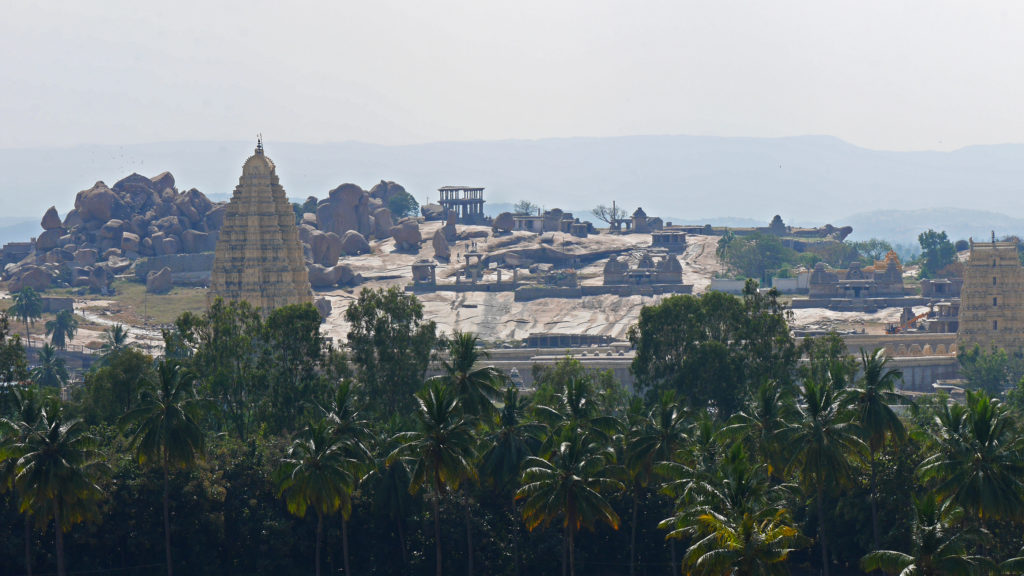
111,389
525,208
316,473
56,473
28,306
978,464
115,339
873,249
654,438
441,449
350,434
13,363
823,444
993,371
51,371
292,362
165,431
402,204
572,484
476,388
754,255
14,432
713,349
62,328
871,399
765,424
513,440
738,523
937,252
223,348
391,346
938,546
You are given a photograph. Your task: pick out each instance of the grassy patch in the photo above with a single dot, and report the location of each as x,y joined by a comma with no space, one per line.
134,306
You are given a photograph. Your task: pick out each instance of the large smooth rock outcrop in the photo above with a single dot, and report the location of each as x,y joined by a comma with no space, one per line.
407,234
353,243
160,282
442,250
325,277
51,220
503,223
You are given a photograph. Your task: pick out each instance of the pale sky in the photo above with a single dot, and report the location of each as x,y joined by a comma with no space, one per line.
879,74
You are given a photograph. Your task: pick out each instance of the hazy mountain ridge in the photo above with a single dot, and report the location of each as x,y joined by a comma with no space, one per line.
809,179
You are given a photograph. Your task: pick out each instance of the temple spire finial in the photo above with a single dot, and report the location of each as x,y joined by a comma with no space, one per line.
259,143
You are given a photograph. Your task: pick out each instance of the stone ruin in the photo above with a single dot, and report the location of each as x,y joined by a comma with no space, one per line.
259,256
638,223
650,269
882,280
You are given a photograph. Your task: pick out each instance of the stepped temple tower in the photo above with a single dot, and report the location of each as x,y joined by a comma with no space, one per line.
259,257
992,300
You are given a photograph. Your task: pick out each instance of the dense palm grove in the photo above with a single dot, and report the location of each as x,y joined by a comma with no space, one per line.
253,446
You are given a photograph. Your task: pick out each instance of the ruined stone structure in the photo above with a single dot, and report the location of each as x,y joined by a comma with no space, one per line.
992,300
673,241
882,280
666,269
258,256
466,202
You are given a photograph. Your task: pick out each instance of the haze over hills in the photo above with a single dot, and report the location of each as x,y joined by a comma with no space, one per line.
809,180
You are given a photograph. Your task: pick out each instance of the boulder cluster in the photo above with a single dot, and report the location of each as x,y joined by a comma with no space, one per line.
343,225
110,227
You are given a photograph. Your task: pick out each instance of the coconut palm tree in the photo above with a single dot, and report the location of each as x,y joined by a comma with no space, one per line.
938,545
165,431
764,425
28,406
350,434
979,462
655,438
28,305
871,398
513,440
476,388
736,520
115,339
441,448
56,473
823,443
62,328
315,473
52,370
570,484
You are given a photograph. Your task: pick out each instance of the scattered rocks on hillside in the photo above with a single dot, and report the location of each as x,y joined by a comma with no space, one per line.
326,277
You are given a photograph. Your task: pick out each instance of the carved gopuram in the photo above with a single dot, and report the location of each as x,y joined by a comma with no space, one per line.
992,300
259,257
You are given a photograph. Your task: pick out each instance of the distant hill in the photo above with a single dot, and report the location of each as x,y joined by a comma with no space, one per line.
903,226
809,179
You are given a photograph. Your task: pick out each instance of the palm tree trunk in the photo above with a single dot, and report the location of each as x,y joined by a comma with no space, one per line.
319,534
632,541
565,551
167,519
572,553
821,529
469,538
344,543
59,533
874,502
28,337
437,522
672,550
28,544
